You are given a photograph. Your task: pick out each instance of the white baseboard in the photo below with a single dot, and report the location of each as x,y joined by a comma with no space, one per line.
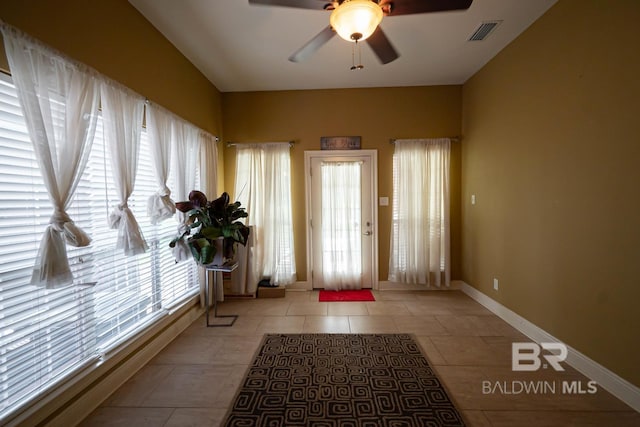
385,285
614,384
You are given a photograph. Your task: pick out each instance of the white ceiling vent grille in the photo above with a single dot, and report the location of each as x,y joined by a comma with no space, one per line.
483,31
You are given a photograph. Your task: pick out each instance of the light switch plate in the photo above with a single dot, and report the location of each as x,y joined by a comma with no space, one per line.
384,201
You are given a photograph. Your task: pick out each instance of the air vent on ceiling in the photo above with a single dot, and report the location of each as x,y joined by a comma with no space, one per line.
484,30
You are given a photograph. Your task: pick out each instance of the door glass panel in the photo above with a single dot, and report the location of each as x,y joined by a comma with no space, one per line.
341,225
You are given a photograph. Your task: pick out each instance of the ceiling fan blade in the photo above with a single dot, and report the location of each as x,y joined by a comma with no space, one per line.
301,4
312,45
382,47
409,7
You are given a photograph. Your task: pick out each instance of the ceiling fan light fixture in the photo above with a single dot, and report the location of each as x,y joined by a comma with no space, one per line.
355,20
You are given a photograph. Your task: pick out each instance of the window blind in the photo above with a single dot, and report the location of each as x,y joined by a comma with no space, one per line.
47,335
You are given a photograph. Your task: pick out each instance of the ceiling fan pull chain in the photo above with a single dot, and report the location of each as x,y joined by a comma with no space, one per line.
353,57
355,46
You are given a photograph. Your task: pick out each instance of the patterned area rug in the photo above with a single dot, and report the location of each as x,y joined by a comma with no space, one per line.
341,380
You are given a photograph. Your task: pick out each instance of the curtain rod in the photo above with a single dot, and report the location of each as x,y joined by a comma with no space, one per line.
88,69
234,144
147,101
452,138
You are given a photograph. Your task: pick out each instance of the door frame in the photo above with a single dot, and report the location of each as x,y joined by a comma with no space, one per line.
329,154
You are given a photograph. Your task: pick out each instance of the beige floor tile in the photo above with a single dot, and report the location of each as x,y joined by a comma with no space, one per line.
372,325
420,325
234,350
385,308
127,417
564,418
243,326
454,301
476,419
471,351
140,386
495,326
269,307
281,324
347,308
396,295
200,386
196,417
300,296
308,308
235,306
467,325
425,308
229,388
187,350
429,349
326,324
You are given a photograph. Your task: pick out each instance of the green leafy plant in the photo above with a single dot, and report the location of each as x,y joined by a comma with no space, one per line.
209,221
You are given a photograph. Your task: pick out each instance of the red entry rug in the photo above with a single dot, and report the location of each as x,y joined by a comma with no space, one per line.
356,295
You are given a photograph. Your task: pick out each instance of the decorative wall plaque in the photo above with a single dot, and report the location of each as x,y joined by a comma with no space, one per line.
339,142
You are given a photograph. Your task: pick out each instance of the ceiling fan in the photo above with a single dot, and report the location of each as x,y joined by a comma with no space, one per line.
358,20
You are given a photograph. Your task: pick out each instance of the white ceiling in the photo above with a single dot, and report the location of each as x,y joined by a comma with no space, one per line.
241,47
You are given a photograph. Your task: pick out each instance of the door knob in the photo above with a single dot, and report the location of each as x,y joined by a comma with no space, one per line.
367,233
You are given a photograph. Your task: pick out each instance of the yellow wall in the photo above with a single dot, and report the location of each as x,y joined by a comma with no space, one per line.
115,39
551,151
377,115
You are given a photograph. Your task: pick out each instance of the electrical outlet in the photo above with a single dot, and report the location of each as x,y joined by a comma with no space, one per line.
473,199
495,284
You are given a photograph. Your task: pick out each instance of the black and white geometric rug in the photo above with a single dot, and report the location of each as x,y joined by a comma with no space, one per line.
341,380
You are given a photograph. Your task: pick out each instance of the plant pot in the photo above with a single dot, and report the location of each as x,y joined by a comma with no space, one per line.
229,249
218,259
225,251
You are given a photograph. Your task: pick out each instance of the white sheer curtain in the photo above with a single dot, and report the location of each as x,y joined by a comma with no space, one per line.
209,183
160,206
186,146
420,216
341,225
122,112
263,186
60,105
209,164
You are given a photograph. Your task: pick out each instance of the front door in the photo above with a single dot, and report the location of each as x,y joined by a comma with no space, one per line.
342,220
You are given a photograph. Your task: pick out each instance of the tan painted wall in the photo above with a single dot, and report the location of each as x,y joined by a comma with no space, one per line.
377,115
115,39
551,150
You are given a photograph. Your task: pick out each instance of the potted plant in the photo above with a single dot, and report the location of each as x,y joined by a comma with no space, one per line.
212,227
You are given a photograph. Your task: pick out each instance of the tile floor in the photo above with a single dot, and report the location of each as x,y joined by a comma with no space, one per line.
194,379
